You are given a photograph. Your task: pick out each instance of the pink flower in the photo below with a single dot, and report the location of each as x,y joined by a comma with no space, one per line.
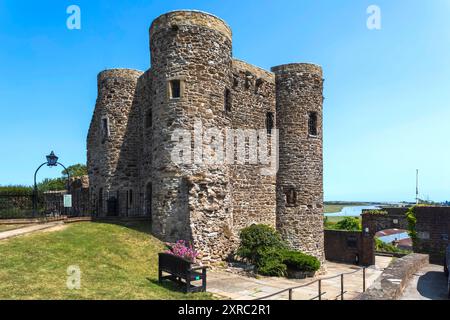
180,249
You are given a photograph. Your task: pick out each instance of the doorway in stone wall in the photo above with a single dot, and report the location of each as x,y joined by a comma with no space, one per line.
148,200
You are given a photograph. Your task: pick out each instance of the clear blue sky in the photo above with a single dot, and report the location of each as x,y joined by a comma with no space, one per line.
387,92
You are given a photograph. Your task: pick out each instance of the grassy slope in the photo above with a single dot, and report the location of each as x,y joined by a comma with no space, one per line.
6,227
117,262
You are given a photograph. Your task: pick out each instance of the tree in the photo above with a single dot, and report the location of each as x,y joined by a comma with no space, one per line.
349,224
77,170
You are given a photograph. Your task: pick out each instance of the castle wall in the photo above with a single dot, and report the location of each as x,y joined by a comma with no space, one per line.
253,194
207,203
113,141
194,48
300,174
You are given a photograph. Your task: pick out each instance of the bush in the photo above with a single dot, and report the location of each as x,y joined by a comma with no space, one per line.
257,241
271,263
349,224
389,248
262,246
299,261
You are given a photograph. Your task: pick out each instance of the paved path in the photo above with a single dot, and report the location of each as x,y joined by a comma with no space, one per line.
429,283
30,229
237,287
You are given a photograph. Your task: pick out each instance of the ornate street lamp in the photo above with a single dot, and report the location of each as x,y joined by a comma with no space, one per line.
52,161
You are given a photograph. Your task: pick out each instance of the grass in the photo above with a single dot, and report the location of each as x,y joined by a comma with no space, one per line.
6,227
332,208
116,262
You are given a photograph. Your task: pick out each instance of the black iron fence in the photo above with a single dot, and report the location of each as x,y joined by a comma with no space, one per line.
49,204
121,204
15,206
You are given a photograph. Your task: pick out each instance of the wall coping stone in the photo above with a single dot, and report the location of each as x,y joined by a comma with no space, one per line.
391,283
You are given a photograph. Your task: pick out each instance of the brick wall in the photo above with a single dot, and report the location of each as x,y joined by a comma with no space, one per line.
349,247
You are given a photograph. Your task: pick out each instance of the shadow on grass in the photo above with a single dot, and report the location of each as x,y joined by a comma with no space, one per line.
144,226
169,285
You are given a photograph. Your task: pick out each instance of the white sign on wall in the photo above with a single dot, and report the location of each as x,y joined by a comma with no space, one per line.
67,201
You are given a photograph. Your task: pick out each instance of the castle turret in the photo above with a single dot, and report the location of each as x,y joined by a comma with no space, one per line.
110,155
191,68
299,95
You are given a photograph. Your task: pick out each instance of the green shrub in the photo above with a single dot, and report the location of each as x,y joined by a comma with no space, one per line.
386,247
349,224
299,261
262,246
271,263
412,221
257,240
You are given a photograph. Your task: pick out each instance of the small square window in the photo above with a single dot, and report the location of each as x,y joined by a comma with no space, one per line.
312,123
175,89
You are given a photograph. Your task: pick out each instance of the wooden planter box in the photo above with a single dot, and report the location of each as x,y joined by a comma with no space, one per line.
181,271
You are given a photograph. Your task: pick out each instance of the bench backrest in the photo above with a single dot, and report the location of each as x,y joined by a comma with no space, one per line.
173,264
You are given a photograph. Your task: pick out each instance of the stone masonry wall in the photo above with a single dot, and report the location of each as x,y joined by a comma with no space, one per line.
253,96
300,175
195,49
207,203
116,95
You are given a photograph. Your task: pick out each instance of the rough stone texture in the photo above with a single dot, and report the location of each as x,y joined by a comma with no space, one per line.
299,91
207,204
392,282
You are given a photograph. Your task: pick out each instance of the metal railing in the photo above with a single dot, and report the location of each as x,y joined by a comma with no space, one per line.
319,282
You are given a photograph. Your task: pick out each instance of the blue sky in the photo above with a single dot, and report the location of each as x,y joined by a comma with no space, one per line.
387,91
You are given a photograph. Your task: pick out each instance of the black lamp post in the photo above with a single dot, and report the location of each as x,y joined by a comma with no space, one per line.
52,161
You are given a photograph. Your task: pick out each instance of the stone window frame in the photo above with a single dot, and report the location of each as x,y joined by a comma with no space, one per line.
105,129
313,124
169,88
291,196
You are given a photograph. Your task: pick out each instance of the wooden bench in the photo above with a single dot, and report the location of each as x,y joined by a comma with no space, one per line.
180,269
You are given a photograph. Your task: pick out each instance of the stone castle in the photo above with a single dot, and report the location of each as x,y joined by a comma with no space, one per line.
194,77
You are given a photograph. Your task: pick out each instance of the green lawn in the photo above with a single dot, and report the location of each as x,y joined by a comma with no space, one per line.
332,208
116,262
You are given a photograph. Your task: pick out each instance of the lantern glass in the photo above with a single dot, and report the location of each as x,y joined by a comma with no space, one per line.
52,159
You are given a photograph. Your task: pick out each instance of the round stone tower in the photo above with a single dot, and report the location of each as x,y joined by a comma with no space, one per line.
299,100
109,152
191,74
